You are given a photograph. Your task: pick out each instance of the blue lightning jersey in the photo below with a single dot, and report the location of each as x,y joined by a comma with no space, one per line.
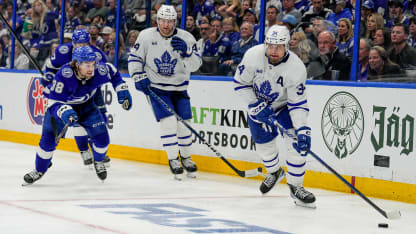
63,55
67,89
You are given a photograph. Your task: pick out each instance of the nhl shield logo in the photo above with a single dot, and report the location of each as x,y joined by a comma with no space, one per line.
36,103
342,124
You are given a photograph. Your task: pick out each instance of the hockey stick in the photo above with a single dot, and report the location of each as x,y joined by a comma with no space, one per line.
388,215
63,131
248,173
21,45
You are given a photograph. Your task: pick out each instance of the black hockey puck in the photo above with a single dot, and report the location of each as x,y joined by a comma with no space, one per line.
383,225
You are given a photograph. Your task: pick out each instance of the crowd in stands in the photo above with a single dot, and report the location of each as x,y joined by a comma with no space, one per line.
322,32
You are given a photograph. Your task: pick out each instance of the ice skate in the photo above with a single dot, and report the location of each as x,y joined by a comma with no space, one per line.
176,168
107,161
271,180
302,197
87,158
190,167
100,170
32,177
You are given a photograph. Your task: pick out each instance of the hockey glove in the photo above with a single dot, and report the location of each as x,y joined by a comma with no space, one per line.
104,117
303,144
123,96
260,111
142,82
67,115
45,81
180,45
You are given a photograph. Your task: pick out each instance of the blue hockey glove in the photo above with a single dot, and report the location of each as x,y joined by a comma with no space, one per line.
142,82
260,111
180,45
123,96
67,115
304,140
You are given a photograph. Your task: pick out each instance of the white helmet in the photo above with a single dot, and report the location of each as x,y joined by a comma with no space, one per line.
167,12
278,34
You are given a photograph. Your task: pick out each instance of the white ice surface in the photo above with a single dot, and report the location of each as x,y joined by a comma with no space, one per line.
144,198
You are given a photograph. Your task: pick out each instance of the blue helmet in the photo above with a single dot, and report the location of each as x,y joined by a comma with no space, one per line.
84,54
80,36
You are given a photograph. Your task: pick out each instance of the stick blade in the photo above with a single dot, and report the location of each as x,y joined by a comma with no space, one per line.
253,172
393,214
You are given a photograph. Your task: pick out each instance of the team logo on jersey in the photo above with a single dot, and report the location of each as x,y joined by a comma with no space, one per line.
265,92
67,72
63,49
165,66
99,57
36,103
102,70
342,124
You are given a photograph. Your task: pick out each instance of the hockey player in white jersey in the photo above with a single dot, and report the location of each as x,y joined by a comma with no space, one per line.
271,81
162,59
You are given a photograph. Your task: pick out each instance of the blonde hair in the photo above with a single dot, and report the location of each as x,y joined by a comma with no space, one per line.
232,21
379,23
303,48
37,18
350,33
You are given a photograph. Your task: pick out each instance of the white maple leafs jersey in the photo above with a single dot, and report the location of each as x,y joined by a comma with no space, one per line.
166,69
278,85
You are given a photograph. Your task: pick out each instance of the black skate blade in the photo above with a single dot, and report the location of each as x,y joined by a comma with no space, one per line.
26,184
303,204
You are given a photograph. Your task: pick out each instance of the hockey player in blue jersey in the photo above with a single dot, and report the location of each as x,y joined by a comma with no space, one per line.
70,101
271,81
63,55
163,59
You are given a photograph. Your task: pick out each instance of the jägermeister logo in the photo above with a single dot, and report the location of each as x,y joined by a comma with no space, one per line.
342,124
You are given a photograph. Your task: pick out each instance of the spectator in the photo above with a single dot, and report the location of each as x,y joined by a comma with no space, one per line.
96,40
9,14
67,38
289,21
122,61
365,46
191,27
99,9
203,8
98,20
131,40
111,16
153,20
381,66
306,50
52,52
44,31
239,48
411,40
218,44
401,53
366,10
289,6
345,39
319,25
271,17
339,12
105,33
337,66
276,3
72,20
374,22
250,16
302,6
231,29
205,31
246,5
21,62
396,14
317,9
382,38
178,10
206,19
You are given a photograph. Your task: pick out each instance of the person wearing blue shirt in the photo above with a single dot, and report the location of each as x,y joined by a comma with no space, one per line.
203,8
339,12
70,103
